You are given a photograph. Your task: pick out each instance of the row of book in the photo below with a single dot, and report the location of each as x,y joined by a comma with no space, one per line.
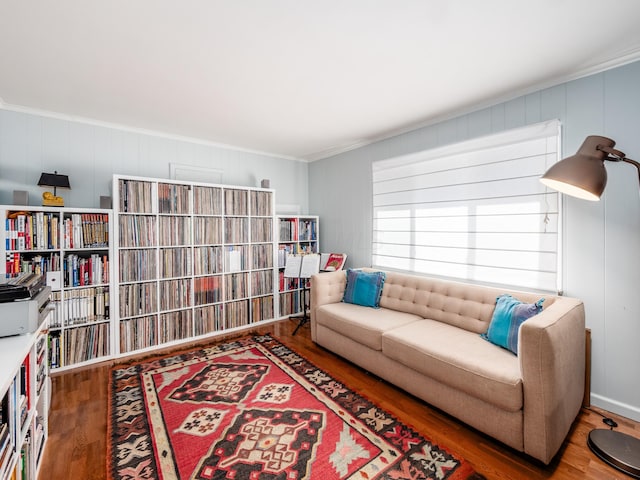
307,230
137,230
135,196
143,332
236,314
174,231
138,333
294,230
207,290
78,344
140,230
175,262
207,230
287,283
235,230
261,282
286,249
261,308
17,262
174,198
138,299
261,203
175,293
262,256
32,231
78,271
235,286
290,303
207,200
208,319
207,260
235,202
87,305
142,298
261,229
86,230
175,326
42,231
137,265
288,230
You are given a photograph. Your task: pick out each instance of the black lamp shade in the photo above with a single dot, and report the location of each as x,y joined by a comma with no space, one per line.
583,175
54,180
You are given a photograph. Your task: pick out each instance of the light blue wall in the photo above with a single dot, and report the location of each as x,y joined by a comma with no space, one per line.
91,154
601,240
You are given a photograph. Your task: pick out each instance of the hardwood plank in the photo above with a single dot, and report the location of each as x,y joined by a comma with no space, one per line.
77,445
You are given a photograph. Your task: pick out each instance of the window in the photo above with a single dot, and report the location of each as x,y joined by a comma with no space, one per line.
474,210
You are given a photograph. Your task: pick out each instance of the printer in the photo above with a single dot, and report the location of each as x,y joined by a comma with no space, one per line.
24,304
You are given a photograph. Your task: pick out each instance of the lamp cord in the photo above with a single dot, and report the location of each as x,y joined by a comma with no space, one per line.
606,420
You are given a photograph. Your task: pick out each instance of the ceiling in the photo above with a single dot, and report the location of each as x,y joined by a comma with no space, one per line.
295,78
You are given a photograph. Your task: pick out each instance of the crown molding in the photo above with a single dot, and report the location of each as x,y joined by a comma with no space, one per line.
625,59
137,130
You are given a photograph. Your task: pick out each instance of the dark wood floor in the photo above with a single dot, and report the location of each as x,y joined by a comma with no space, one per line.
76,448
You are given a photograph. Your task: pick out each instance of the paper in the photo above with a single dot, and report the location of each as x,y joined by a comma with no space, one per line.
310,265
234,260
292,268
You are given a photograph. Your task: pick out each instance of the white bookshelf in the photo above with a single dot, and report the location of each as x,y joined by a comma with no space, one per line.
193,259
71,247
297,235
24,403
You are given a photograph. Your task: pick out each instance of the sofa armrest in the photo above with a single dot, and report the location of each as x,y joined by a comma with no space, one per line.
326,287
552,361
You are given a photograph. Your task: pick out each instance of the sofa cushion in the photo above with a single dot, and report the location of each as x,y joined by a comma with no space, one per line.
507,318
461,305
458,358
364,288
363,325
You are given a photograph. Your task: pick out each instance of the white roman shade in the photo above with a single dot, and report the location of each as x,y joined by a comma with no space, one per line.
473,210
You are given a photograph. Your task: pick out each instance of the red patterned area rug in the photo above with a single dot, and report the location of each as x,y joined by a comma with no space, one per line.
252,409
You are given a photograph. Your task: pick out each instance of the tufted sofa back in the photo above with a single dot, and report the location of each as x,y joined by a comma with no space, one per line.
462,305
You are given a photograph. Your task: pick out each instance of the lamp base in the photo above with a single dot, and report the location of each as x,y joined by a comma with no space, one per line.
50,200
618,449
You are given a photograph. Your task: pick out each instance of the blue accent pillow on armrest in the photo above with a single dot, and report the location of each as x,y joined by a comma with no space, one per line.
508,315
364,288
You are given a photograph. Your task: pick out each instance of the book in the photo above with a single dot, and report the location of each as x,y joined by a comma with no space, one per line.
333,261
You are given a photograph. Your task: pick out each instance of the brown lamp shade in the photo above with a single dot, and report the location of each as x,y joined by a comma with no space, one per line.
583,175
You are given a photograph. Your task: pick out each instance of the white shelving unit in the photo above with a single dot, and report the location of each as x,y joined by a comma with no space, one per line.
296,235
192,259
72,248
24,404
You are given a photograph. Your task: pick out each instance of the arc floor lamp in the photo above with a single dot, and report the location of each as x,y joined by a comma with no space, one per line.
584,176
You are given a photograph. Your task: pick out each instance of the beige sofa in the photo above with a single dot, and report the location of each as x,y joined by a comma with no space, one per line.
425,338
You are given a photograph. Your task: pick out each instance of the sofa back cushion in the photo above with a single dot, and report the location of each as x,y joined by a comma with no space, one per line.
463,305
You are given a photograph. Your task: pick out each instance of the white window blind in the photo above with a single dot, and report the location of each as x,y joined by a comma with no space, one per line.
474,210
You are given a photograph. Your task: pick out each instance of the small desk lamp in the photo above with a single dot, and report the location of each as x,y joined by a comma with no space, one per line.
56,181
584,176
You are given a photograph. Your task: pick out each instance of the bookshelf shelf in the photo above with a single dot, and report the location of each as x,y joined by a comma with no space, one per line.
193,259
296,235
71,247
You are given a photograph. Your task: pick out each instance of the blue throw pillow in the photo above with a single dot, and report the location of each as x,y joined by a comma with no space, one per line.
507,318
364,288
